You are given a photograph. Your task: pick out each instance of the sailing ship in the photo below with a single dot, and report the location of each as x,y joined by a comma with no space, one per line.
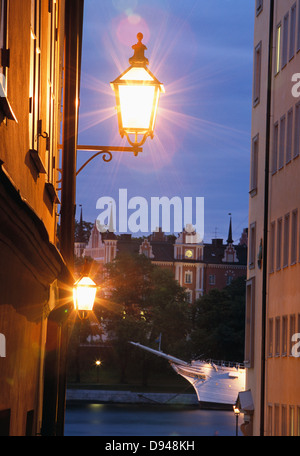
216,383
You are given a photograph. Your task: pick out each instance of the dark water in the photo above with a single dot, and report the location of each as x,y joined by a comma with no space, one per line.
153,420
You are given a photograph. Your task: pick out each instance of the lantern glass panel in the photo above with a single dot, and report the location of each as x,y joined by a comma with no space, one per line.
84,294
136,105
136,74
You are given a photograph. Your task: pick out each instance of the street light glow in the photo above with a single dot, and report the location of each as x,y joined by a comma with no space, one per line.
137,93
84,294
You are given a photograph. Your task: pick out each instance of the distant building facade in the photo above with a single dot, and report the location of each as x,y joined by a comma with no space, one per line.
198,267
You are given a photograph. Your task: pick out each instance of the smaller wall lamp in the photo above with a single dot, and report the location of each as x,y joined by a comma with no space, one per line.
84,294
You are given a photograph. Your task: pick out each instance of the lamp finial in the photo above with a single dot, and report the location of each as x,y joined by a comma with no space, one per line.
139,48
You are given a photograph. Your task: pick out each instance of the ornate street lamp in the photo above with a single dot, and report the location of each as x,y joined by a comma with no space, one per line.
137,93
84,293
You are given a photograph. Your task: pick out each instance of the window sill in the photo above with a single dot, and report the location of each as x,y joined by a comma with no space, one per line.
34,155
52,193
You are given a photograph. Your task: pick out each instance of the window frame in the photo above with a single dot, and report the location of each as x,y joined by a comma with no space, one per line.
35,123
292,43
252,246
259,7
286,240
296,151
279,244
282,142
4,50
275,147
257,73
254,165
250,323
277,59
285,39
212,279
294,237
289,136
272,247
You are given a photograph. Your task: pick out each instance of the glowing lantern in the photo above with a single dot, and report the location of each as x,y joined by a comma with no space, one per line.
84,294
137,93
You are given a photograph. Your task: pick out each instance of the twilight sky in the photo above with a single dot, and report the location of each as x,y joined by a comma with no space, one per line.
203,54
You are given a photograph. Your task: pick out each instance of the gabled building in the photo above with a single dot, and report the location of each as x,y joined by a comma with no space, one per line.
197,266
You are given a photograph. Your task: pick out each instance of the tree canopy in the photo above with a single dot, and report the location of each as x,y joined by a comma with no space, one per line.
219,328
148,301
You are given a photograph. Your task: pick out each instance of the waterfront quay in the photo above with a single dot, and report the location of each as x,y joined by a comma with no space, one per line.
113,413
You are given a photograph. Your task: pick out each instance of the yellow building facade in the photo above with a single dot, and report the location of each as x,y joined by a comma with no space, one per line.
273,286
33,270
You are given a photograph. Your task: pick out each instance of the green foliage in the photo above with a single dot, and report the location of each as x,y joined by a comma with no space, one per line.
147,301
83,231
219,323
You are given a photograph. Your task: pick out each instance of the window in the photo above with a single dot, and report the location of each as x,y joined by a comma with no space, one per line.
286,240
292,331
292,420
229,280
276,419
275,148
278,246
259,7
270,337
35,126
189,295
292,32
297,129
283,420
281,142
298,421
188,277
272,246
278,45
277,336
285,40
250,323
298,31
52,90
252,247
270,420
294,236
289,134
284,335
4,52
254,166
257,74
212,279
